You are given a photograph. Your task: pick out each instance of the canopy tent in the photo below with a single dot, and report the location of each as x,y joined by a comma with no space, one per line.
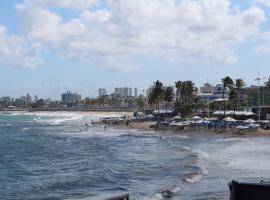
177,117
250,121
231,112
163,111
229,119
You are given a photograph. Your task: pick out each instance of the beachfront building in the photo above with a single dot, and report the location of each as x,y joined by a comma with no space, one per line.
206,97
102,92
36,98
123,92
135,92
207,88
257,95
28,99
70,99
6,99
218,91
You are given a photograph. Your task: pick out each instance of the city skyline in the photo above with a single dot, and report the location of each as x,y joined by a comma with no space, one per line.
49,47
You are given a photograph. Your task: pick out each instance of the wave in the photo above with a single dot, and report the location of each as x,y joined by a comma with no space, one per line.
184,148
157,196
193,177
165,194
170,192
200,154
56,120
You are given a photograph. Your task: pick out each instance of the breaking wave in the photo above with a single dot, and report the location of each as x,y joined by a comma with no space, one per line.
165,194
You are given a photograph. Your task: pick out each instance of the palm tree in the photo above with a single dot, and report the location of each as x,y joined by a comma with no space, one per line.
239,84
232,98
156,94
168,96
140,103
178,85
227,82
185,96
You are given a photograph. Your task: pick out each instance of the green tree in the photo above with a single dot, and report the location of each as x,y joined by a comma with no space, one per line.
239,84
227,82
178,85
168,96
186,99
140,103
157,94
232,99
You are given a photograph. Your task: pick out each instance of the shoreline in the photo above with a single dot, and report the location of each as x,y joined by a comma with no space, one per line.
195,132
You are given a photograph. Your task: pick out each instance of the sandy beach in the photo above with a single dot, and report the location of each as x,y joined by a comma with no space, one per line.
146,127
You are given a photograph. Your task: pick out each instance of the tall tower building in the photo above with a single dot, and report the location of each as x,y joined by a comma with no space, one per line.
102,92
135,92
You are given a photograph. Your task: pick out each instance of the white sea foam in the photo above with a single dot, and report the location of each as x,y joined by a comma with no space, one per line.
193,178
184,148
175,189
157,196
204,171
200,154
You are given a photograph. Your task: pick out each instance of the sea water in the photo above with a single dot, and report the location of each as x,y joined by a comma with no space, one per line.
54,156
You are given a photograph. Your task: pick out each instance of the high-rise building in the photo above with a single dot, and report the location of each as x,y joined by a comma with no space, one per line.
135,92
28,99
123,92
70,98
23,99
102,92
36,98
6,99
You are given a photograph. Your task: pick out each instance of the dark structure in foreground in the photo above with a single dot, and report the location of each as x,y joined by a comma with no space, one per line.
105,197
249,191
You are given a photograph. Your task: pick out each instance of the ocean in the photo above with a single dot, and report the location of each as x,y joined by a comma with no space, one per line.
51,155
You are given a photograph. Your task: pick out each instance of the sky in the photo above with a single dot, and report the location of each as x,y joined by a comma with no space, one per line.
48,47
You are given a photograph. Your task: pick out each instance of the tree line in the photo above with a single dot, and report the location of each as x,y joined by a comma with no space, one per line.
186,100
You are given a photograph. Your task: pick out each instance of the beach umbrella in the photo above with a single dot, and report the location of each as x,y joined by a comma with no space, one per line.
250,121
205,121
177,117
213,118
250,113
229,119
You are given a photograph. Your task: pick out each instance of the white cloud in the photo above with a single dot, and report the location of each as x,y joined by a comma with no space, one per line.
263,2
202,31
69,4
14,51
264,46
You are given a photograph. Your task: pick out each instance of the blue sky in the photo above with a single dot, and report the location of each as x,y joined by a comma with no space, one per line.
48,47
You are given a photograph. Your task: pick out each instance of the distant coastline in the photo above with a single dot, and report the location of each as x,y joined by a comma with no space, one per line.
70,109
